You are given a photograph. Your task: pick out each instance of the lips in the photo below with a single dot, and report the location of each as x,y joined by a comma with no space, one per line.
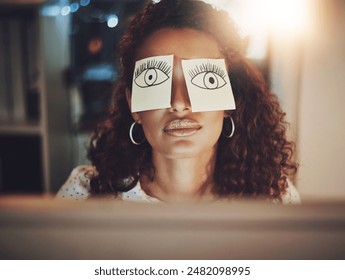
181,128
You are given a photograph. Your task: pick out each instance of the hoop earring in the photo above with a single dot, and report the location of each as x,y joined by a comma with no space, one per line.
226,130
131,135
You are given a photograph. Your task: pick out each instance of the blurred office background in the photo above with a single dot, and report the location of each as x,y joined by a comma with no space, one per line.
58,63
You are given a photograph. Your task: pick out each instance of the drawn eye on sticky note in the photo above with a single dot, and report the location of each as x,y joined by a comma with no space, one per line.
151,87
208,85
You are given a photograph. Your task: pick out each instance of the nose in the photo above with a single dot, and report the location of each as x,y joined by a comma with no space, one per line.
180,101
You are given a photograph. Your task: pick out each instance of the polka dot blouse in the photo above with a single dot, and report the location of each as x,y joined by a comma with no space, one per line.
77,187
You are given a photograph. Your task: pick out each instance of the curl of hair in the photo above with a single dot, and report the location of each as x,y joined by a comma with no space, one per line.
255,162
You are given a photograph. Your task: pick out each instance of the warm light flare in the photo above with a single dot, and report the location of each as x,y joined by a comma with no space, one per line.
287,16
278,16
261,19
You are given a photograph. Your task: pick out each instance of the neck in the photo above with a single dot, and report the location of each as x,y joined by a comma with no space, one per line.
182,178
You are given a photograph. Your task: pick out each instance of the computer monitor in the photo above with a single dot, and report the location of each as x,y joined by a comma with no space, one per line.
44,228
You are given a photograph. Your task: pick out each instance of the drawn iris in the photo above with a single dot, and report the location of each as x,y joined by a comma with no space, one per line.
150,76
210,80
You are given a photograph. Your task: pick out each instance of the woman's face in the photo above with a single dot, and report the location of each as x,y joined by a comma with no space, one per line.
177,132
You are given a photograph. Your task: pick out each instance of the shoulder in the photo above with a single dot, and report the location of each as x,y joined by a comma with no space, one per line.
77,186
291,196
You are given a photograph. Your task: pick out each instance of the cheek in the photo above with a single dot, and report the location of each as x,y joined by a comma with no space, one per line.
150,123
214,128
217,128
217,122
219,125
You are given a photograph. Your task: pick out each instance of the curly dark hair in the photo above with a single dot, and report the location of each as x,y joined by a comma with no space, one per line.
255,162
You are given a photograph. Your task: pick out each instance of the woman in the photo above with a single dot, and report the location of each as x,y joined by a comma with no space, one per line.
183,154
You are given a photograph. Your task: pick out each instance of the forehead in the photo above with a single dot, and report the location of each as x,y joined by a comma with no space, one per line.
185,43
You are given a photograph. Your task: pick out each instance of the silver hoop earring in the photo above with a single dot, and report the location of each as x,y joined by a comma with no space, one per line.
226,132
131,135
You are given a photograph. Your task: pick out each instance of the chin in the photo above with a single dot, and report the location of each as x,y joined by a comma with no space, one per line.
185,150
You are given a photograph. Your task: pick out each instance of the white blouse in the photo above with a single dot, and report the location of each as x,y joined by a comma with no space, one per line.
77,187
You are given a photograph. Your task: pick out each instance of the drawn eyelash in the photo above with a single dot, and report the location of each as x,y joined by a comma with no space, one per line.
207,67
153,64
